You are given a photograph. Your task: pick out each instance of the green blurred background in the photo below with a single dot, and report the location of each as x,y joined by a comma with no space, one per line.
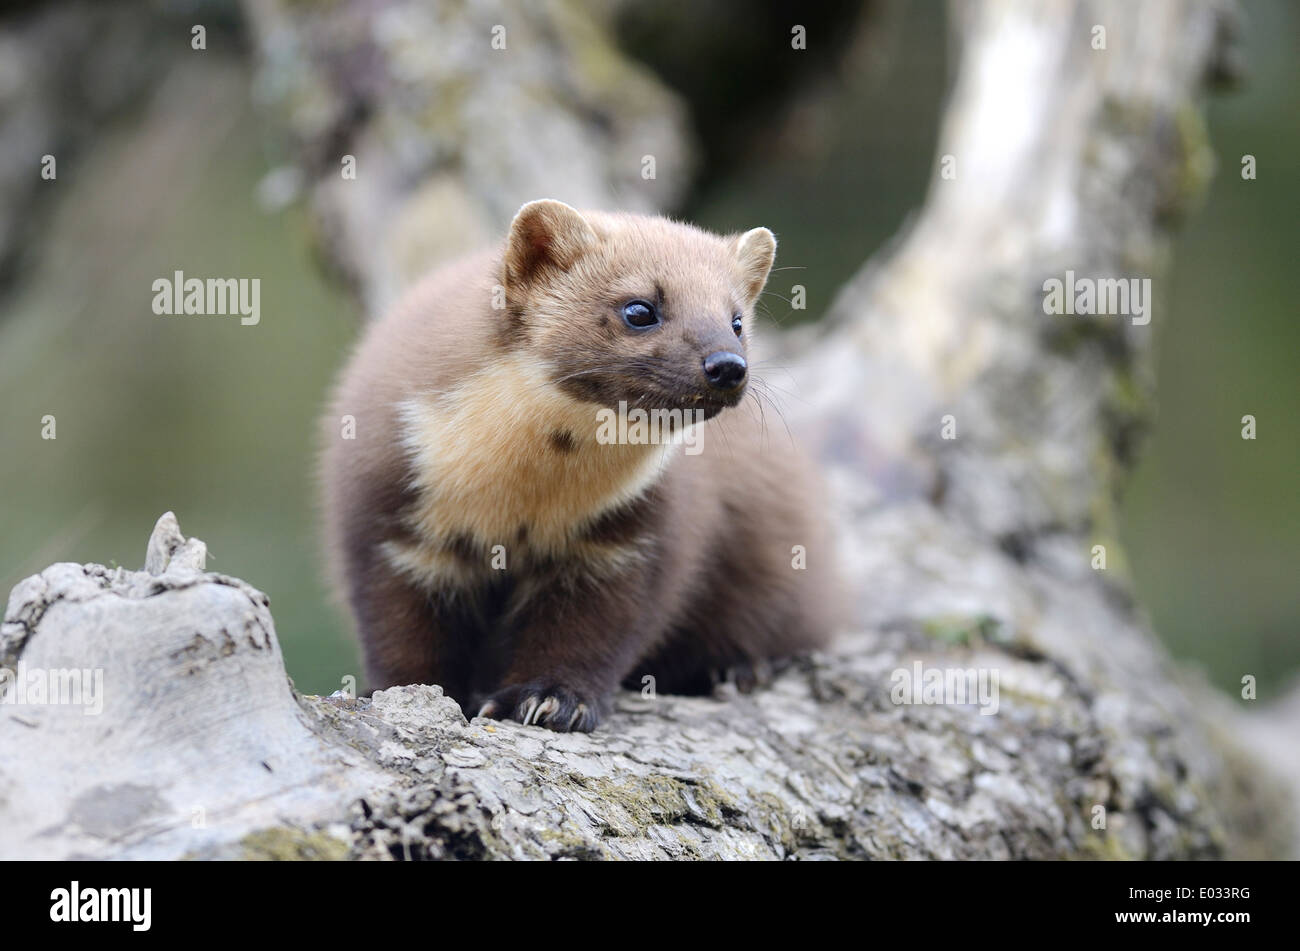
217,421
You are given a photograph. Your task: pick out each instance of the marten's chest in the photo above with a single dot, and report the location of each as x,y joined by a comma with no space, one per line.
506,469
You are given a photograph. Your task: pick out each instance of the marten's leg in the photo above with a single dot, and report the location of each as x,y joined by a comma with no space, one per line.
770,595
574,639
409,635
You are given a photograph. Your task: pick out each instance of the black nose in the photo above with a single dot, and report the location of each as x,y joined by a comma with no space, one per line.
725,370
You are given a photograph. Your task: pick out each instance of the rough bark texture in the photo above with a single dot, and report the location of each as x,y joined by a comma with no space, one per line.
966,553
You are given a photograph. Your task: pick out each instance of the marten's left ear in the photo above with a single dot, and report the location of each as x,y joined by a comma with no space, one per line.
545,234
755,250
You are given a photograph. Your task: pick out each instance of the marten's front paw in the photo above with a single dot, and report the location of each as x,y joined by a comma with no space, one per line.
747,675
542,704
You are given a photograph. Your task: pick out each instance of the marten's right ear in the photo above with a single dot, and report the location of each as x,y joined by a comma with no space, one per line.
755,250
545,234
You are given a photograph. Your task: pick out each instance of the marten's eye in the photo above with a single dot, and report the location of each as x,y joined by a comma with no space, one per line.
639,314
737,324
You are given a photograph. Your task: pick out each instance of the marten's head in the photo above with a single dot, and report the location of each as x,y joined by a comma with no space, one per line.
636,309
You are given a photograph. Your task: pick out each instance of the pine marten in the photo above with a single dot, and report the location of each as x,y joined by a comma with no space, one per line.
494,535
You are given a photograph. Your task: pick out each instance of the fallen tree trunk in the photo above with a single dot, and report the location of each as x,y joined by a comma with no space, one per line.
972,553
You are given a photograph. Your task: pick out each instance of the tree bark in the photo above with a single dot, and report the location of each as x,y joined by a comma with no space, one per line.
967,553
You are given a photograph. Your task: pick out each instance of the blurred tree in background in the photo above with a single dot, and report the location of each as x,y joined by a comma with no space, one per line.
218,422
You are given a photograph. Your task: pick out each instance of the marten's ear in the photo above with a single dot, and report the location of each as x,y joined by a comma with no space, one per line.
545,234
755,250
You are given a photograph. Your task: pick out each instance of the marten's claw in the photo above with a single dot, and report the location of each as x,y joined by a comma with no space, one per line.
746,675
546,705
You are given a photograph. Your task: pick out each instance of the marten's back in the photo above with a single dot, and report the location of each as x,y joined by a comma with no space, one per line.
437,334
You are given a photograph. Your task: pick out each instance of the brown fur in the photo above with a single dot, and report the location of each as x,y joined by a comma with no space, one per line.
476,427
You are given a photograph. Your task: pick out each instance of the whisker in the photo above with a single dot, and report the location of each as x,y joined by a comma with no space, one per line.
762,415
770,387
761,395
775,294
